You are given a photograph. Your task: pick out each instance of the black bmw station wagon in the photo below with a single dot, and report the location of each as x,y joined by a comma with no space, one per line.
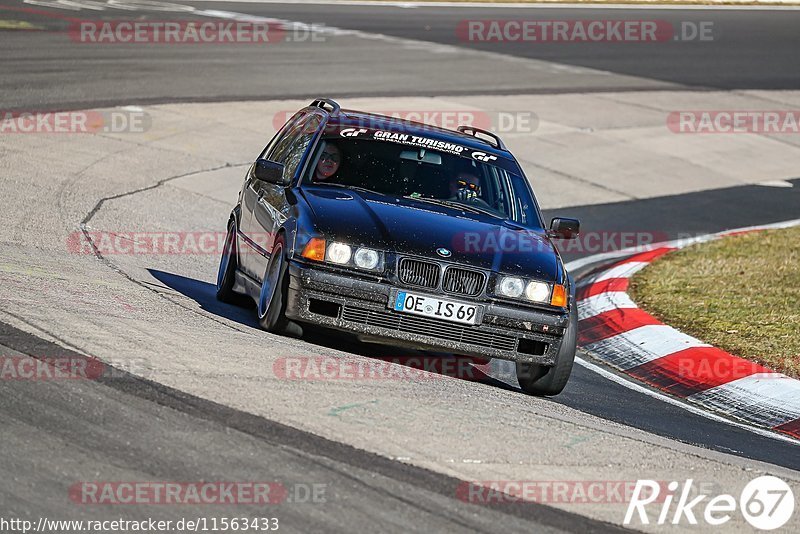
406,234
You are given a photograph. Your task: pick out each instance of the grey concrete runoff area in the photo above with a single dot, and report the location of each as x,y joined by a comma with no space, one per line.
197,393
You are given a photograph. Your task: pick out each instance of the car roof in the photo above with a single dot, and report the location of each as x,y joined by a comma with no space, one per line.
375,121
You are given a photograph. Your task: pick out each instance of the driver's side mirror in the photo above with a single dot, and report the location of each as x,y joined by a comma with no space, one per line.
563,228
270,171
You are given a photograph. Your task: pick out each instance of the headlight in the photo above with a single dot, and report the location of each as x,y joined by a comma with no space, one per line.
339,253
537,291
531,290
366,258
511,286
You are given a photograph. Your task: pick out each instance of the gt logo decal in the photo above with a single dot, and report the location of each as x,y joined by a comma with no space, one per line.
352,132
483,156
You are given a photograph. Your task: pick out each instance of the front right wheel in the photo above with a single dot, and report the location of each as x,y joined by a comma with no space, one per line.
544,380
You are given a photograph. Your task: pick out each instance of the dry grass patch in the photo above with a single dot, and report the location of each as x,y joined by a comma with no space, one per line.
740,293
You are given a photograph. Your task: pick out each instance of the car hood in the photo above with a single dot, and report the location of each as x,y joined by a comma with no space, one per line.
418,228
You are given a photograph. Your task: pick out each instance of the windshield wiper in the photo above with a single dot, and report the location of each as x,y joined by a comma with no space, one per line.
353,187
457,205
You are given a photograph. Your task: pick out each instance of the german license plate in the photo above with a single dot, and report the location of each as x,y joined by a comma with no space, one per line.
446,310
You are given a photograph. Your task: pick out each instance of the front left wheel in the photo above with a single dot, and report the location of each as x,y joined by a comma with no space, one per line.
542,380
272,300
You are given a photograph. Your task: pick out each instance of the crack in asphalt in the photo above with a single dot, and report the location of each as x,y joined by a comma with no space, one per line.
84,227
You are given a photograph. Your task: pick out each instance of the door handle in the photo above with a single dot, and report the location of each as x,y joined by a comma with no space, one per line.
260,194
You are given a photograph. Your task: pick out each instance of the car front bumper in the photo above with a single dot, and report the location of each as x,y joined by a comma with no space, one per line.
336,300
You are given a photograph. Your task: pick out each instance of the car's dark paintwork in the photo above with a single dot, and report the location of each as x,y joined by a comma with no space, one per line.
403,227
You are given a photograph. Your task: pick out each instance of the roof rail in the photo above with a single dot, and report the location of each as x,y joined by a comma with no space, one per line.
473,131
320,103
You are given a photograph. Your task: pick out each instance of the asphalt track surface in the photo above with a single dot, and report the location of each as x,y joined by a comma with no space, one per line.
107,426
149,429
750,50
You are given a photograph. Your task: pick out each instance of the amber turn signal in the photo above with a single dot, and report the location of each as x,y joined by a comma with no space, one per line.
559,297
314,249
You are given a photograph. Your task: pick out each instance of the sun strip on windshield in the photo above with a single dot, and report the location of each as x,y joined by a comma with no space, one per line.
428,143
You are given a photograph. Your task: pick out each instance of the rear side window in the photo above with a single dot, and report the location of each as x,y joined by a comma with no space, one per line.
280,137
305,133
277,152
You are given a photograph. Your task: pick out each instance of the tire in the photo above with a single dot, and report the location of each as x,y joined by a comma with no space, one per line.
272,299
543,380
228,264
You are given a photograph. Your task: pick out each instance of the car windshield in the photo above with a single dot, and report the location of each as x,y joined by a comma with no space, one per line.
440,176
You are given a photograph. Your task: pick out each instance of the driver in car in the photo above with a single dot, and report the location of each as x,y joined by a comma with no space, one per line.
328,163
465,187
